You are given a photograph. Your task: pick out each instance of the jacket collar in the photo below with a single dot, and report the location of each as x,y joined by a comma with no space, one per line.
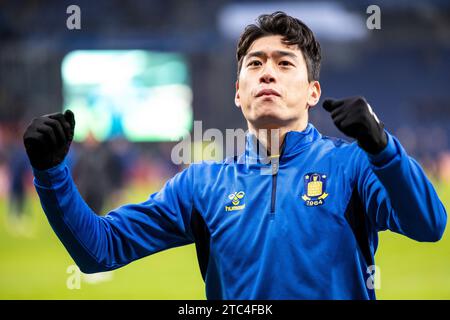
294,142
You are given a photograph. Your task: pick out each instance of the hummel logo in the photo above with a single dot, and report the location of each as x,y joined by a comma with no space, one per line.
235,198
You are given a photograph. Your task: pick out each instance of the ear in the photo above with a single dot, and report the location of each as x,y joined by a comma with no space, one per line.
237,99
314,93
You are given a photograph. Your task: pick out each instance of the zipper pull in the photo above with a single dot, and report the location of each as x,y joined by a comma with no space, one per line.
275,163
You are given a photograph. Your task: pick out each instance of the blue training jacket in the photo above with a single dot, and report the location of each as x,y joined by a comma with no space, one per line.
306,230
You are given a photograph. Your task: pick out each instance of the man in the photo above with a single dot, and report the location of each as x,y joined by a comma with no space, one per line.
306,231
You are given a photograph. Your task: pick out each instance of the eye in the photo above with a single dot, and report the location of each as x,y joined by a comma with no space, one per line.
285,63
254,63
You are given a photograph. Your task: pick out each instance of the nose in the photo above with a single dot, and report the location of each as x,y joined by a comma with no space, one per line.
268,74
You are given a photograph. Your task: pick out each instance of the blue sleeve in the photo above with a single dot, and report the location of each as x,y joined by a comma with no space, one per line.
125,234
397,194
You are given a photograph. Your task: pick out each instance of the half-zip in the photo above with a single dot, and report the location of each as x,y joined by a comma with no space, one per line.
275,160
275,166
297,141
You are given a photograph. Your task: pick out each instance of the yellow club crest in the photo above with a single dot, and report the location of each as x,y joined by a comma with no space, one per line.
315,189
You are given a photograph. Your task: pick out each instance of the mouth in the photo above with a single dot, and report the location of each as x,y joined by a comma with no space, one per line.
267,92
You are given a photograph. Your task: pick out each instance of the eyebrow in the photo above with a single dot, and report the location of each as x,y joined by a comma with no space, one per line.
278,53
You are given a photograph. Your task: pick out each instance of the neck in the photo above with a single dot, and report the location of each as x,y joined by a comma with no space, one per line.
272,137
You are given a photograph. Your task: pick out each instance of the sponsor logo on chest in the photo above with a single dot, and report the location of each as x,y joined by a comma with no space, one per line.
236,201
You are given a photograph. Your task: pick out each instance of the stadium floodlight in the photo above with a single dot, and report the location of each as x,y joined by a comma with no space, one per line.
140,95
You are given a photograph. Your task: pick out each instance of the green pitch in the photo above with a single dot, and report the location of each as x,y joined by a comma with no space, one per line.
36,266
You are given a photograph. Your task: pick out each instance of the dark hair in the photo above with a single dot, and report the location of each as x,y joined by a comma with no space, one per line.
293,31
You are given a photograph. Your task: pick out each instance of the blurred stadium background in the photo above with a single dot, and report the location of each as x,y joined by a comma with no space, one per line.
138,73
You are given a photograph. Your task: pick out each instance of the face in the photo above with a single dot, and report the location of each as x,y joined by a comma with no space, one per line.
273,90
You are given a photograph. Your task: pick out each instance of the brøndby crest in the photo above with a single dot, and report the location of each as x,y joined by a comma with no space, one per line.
315,189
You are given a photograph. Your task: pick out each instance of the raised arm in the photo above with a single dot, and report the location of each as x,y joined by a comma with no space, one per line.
398,196
124,234
394,188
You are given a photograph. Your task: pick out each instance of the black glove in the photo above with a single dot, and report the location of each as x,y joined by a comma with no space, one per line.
47,139
355,118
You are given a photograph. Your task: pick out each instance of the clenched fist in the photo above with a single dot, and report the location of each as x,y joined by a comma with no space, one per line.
47,139
355,118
